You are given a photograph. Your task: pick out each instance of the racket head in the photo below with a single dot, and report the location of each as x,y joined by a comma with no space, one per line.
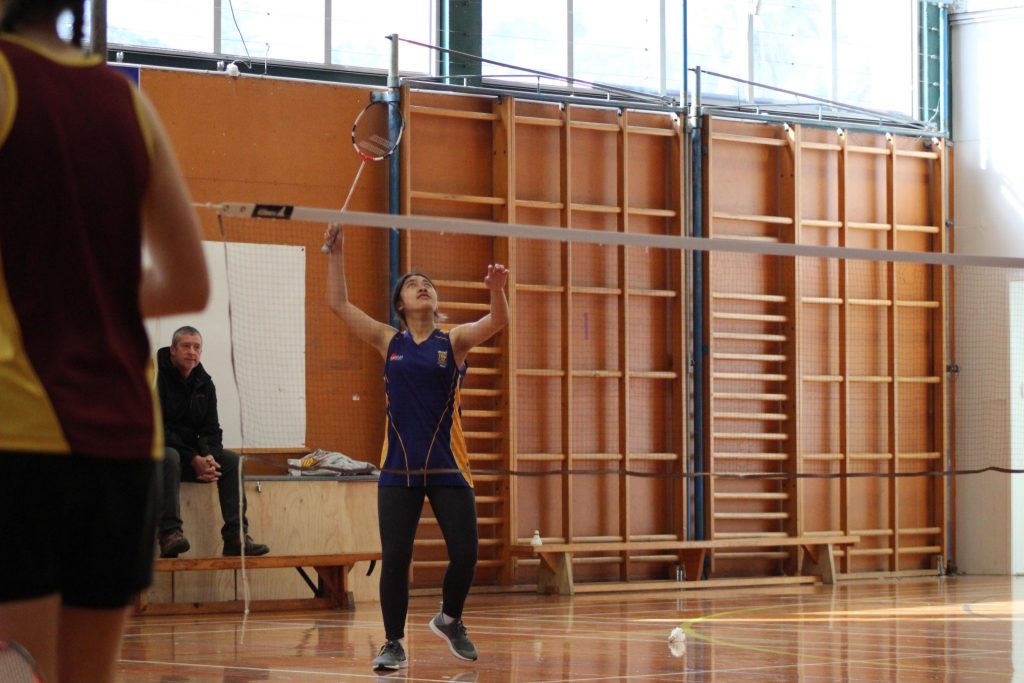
17,665
371,134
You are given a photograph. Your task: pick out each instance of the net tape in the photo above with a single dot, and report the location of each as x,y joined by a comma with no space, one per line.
633,239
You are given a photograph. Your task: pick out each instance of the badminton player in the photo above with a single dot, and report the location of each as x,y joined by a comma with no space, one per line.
424,453
87,178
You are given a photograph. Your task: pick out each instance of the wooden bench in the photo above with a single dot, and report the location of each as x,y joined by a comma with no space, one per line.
330,591
555,573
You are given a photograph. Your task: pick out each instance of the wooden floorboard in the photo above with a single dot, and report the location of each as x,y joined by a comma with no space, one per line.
914,629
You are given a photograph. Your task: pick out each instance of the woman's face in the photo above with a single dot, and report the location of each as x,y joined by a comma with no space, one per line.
418,295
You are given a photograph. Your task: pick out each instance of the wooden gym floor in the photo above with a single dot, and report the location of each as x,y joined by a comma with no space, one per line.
933,629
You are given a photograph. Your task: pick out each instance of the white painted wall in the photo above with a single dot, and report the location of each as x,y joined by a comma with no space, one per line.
989,214
266,406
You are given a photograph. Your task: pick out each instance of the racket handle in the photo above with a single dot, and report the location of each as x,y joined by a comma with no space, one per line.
329,243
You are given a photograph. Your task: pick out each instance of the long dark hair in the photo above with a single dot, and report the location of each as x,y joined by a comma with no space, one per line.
18,12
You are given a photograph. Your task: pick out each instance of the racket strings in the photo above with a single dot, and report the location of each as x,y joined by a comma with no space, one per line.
17,665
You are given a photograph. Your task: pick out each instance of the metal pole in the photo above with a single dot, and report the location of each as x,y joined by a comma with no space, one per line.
394,170
98,39
698,332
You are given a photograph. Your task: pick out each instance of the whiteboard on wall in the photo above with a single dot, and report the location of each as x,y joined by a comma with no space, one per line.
267,295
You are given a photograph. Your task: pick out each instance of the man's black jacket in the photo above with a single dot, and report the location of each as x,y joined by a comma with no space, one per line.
191,426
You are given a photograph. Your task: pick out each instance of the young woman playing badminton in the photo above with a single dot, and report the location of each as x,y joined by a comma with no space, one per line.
424,452
87,178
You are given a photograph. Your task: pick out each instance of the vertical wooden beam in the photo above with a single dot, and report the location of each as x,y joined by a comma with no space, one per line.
503,171
892,344
940,398
790,193
565,180
680,388
622,175
948,309
844,355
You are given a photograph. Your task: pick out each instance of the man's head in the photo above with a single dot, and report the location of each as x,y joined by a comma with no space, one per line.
186,349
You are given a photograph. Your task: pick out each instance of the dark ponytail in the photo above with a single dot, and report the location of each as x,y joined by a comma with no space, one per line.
19,12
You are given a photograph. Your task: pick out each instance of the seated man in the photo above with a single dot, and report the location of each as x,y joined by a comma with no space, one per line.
193,445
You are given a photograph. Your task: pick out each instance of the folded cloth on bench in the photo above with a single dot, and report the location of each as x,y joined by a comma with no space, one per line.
328,463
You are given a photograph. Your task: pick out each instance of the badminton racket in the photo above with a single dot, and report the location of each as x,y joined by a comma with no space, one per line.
373,141
17,665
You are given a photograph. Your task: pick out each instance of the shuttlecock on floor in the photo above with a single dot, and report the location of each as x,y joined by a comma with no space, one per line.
677,642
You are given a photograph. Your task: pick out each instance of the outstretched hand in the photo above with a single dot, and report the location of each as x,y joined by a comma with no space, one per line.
497,276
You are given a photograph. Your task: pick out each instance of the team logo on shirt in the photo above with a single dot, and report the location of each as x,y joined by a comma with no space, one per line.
395,356
442,359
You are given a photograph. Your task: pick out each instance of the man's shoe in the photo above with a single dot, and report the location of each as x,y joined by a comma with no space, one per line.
391,657
173,544
232,548
455,633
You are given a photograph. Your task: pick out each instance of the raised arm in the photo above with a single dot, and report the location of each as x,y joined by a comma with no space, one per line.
175,281
373,332
465,337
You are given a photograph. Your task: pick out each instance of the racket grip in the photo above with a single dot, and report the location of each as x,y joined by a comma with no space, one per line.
332,237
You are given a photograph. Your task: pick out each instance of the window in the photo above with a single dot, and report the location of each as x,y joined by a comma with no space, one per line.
358,33
618,47
527,33
274,30
185,25
860,52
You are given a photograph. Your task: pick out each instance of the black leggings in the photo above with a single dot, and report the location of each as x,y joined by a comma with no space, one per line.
398,510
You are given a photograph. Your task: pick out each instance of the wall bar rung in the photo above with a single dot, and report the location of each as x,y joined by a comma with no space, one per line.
766,357
752,515
764,417
596,208
743,396
751,218
751,317
740,296
760,377
748,139
452,113
538,121
539,204
749,336
928,229
458,198
878,151
823,146
852,225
